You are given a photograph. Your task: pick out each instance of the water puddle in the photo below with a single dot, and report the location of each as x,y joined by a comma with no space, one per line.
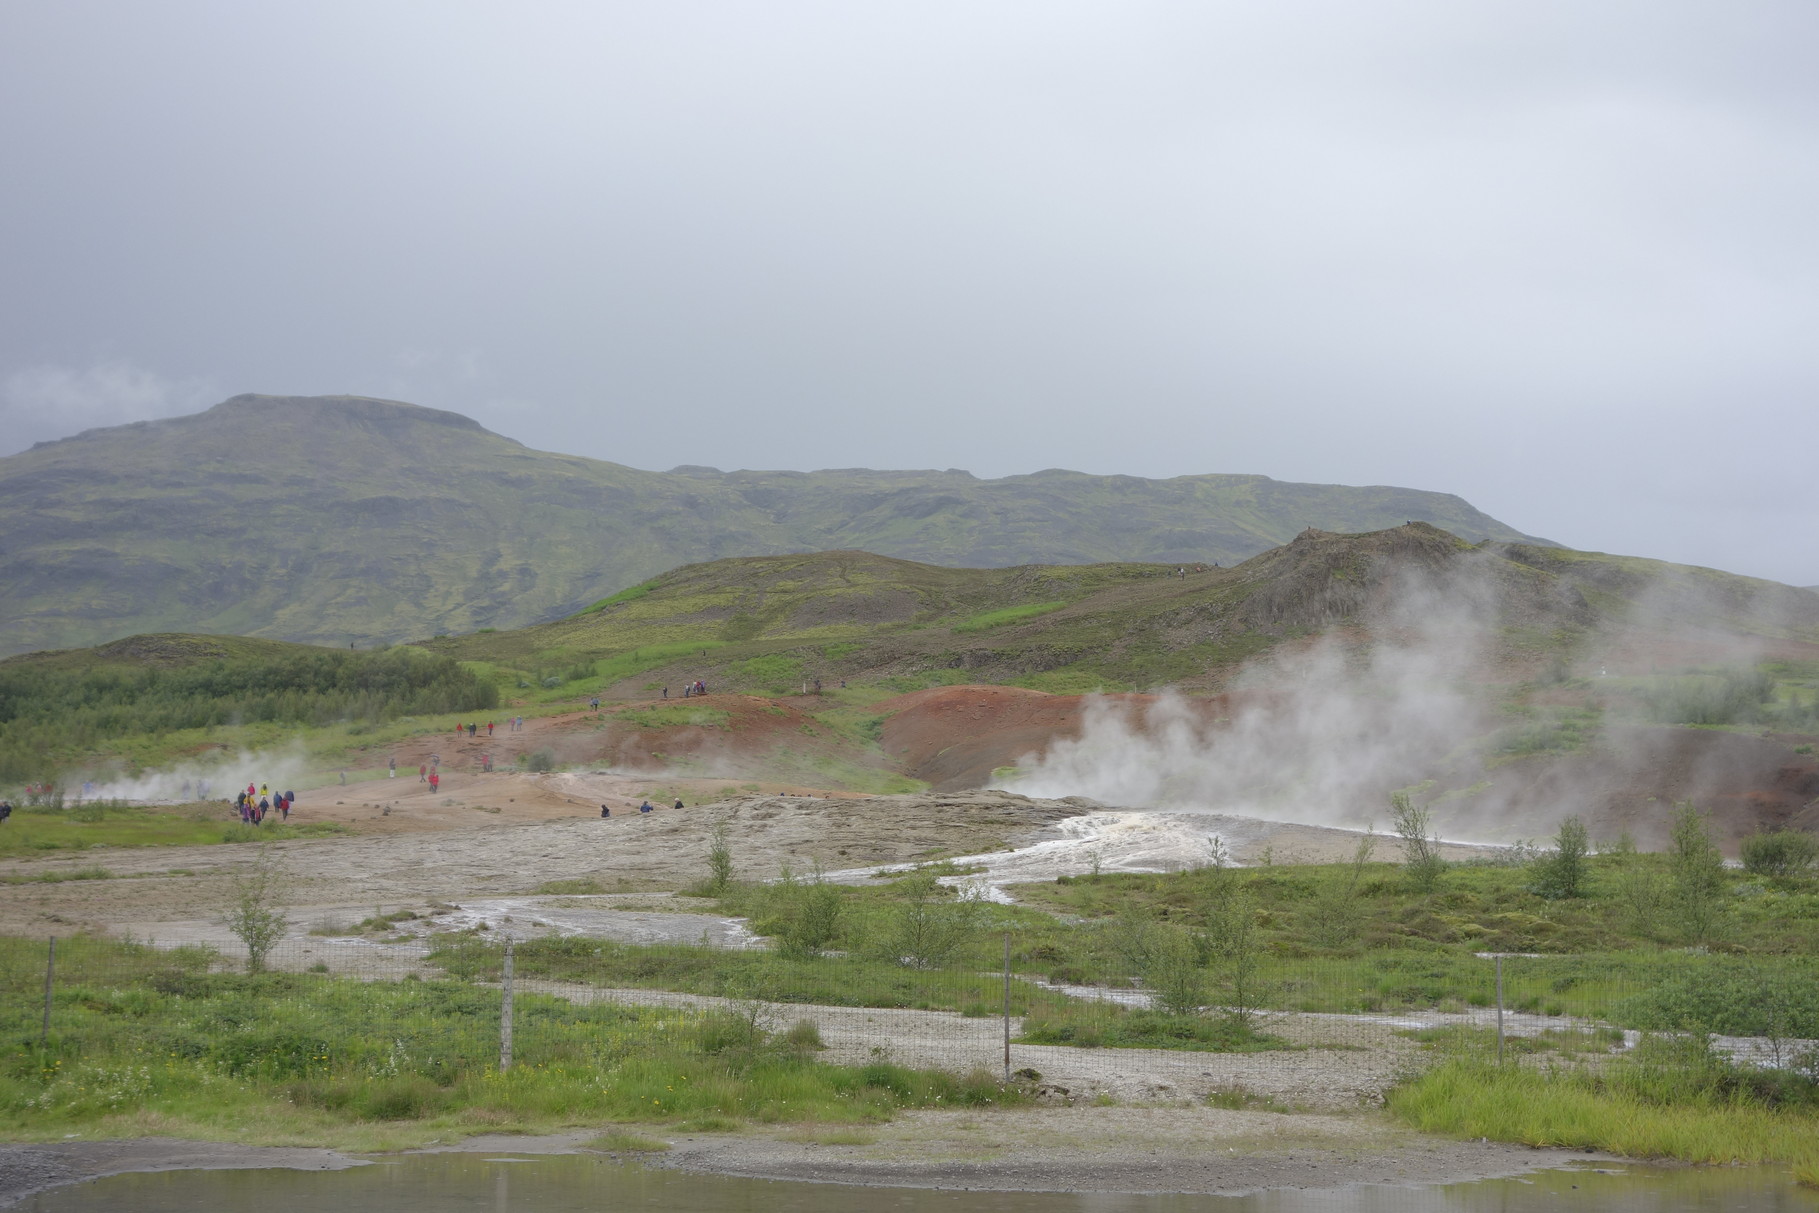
469,1183
596,916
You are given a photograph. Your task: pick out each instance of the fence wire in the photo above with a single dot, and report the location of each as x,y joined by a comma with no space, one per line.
1308,1033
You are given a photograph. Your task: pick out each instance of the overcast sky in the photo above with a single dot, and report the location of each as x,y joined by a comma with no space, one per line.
1559,258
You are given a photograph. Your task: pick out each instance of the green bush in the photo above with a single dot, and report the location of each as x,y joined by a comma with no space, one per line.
1421,857
804,916
1780,853
1711,699
1563,872
1730,997
1696,888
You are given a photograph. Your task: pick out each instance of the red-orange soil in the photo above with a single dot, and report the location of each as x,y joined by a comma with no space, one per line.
734,736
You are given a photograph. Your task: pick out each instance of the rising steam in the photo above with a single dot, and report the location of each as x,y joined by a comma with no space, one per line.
214,778
1321,733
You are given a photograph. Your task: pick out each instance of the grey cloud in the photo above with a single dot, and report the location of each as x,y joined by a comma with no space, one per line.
39,403
1557,258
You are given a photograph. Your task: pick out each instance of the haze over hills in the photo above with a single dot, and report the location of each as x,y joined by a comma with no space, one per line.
338,519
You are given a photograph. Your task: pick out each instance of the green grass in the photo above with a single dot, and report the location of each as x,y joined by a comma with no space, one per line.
1635,984
576,887
36,832
146,1041
986,620
774,673
1302,909
673,715
621,666
1618,1112
628,594
827,981
1107,1025
58,877
627,1143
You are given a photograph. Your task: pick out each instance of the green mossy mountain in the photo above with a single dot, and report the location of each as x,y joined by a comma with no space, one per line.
344,519
764,624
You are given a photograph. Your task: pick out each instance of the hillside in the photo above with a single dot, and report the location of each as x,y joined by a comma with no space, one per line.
1509,684
337,519
767,623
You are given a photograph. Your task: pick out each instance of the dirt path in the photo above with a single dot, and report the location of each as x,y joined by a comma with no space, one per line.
1332,1063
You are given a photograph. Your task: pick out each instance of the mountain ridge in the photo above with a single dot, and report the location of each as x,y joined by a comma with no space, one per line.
356,519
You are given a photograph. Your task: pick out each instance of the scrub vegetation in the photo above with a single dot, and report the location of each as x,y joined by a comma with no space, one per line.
57,708
1670,1097
156,1041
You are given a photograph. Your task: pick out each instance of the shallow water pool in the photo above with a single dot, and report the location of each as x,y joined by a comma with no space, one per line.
501,1183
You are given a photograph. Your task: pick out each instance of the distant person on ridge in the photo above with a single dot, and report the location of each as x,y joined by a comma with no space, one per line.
645,807
422,772
605,812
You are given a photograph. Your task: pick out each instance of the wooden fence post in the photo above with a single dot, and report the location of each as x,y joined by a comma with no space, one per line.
50,971
505,1015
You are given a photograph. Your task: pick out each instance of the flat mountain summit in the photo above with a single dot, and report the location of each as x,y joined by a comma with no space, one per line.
337,519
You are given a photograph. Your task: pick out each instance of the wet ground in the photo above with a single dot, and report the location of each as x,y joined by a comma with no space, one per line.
500,1179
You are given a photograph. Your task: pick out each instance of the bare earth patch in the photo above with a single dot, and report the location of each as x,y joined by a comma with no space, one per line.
169,893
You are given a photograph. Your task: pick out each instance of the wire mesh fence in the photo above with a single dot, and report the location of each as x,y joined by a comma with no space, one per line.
98,1020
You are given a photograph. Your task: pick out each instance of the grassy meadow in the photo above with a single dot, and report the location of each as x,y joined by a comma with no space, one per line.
151,1042
41,831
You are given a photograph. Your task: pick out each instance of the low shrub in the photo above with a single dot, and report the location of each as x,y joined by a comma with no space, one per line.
1780,853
